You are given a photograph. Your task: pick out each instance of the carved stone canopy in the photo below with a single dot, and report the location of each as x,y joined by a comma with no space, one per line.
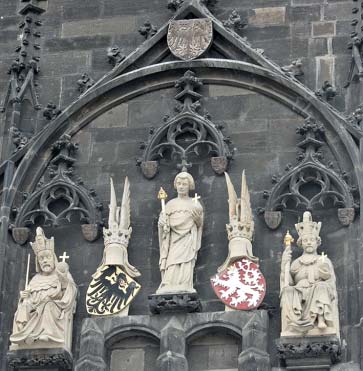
77,200
328,187
186,135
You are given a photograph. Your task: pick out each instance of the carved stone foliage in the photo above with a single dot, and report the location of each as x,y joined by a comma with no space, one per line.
51,111
85,82
148,30
310,184
18,138
59,359
115,55
71,196
188,39
356,117
327,91
186,135
294,69
26,65
235,21
314,349
356,62
184,302
175,4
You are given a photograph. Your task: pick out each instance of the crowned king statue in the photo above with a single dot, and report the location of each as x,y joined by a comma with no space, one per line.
309,302
44,317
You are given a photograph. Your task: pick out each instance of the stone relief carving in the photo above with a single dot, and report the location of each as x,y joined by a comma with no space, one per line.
309,298
330,186
77,199
44,318
115,55
235,21
113,288
85,82
18,138
180,232
188,39
148,30
186,135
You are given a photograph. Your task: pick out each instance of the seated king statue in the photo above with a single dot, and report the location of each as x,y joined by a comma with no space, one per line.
44,317
309,302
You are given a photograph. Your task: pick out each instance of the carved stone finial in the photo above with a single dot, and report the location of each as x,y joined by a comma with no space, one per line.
85,82
148,30
18,138
355,119
115,55
175,4
294,69
235,21
327,91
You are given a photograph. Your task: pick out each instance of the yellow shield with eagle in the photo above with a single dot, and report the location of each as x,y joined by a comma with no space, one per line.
110,291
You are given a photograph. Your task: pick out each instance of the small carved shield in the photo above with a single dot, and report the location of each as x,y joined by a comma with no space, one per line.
20,235
149,168
273,219
240,286
110,291
189,39
219,164
346,215
90,232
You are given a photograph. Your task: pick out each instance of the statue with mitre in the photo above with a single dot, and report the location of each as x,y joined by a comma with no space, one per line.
44,318
309,301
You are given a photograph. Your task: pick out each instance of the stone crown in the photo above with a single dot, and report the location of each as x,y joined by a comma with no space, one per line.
41,242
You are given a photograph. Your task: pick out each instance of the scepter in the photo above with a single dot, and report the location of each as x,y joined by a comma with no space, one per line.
162,196
27,273
288,240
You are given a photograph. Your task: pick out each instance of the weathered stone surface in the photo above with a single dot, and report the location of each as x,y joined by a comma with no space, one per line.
323,29
268,16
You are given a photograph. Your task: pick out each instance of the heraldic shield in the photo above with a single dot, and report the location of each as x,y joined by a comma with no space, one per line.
241,285
110,291
189,39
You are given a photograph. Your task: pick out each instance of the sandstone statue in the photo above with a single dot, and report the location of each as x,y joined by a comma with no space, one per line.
44,318
113,288
180,234
309,302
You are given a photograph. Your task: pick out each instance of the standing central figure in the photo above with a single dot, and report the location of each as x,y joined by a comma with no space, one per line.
180,235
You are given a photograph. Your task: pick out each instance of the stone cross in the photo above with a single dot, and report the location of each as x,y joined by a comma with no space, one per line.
196,198
64,257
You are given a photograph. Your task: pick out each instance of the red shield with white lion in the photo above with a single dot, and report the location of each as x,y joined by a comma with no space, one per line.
241,286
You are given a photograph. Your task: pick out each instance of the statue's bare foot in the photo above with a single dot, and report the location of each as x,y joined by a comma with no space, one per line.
321,323
43,338
29,340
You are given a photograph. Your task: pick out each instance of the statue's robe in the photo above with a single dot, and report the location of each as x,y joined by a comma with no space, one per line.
44,315
179,248
312,292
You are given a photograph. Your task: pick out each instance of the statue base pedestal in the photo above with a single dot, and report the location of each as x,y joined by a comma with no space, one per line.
52,359
174,302
316,353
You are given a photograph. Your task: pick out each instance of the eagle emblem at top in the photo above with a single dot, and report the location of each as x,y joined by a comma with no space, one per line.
190,38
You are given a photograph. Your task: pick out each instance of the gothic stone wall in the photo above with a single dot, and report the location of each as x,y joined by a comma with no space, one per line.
75,37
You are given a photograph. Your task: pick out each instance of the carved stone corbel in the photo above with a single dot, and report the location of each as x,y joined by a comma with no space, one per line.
78,200
186,134
328,184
